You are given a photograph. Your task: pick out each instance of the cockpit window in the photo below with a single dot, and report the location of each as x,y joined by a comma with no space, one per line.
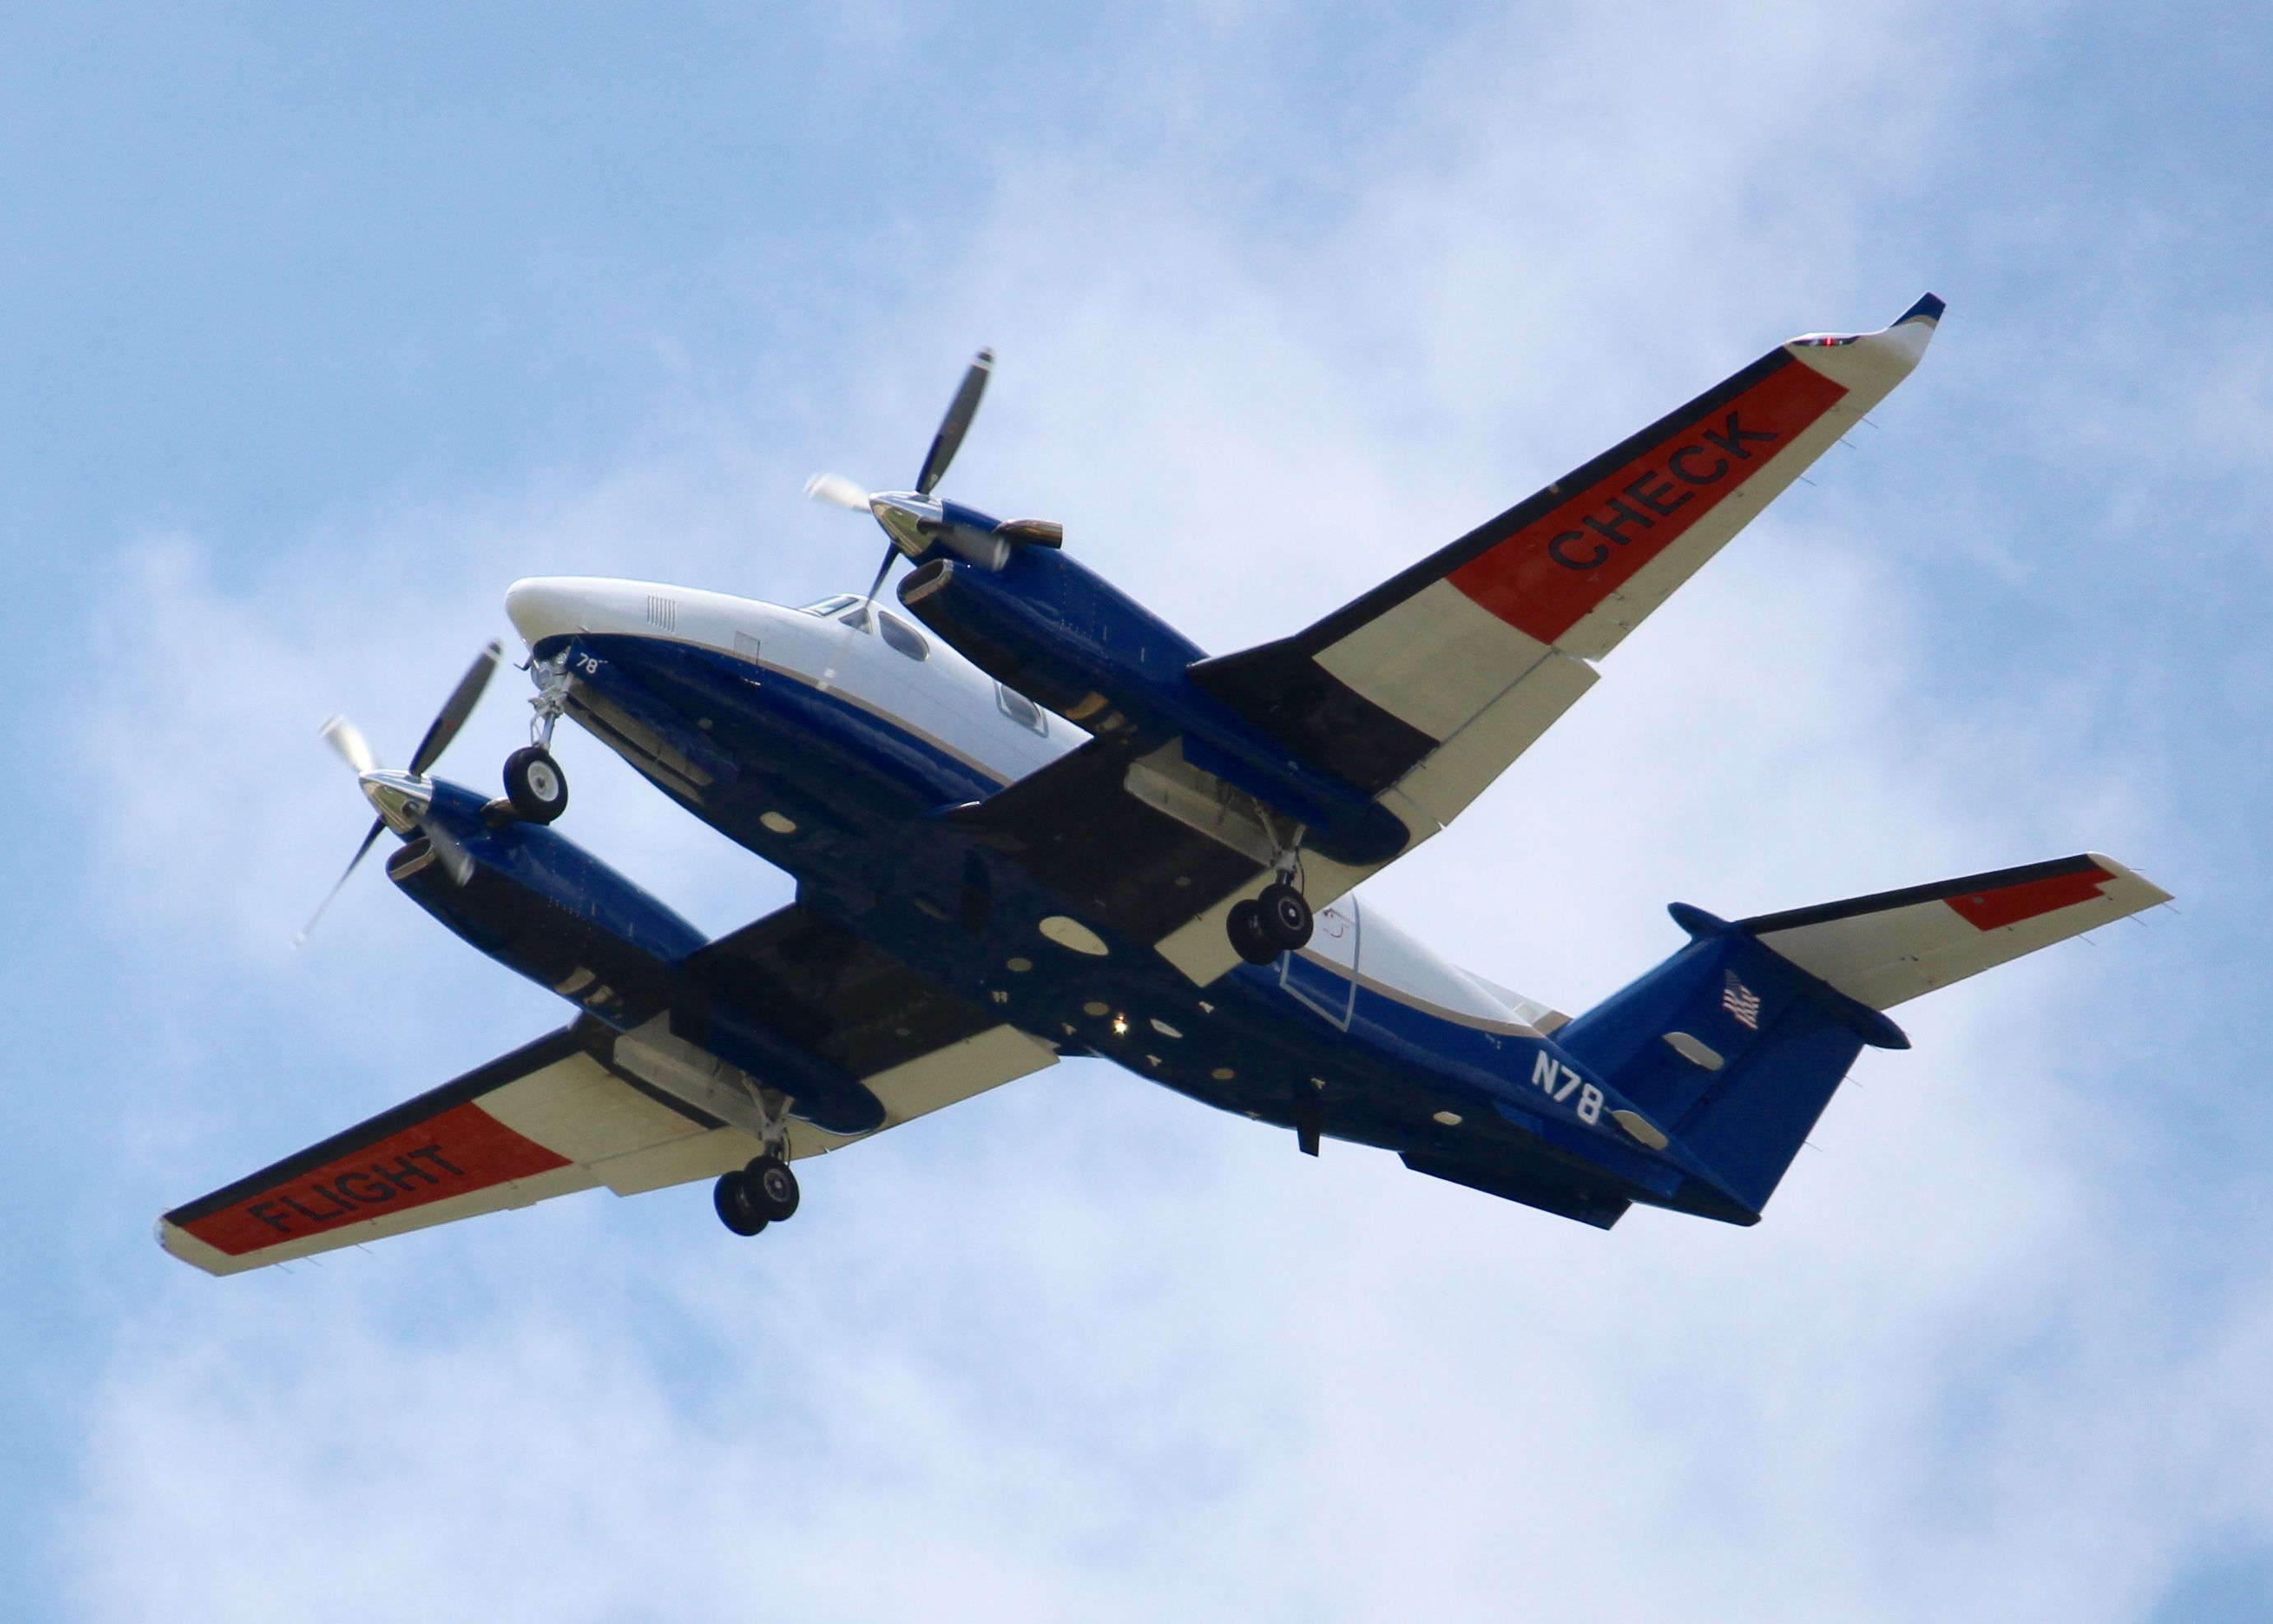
903,637
830,606
1021,710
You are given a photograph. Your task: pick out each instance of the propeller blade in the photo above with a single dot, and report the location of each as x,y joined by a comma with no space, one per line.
837,491
455,710
340,885
345,737
891,552
457,861
953,426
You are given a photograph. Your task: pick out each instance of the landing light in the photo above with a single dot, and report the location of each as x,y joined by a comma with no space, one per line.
1121,1026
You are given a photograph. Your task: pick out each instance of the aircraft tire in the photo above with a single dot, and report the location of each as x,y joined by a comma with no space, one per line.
1286,916
737,1205
1248,936
772,1188
535,784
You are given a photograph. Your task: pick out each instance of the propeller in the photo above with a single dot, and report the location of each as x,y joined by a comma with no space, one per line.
957,424
345,737
915,520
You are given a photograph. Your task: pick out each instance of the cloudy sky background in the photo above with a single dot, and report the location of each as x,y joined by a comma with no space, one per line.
317,332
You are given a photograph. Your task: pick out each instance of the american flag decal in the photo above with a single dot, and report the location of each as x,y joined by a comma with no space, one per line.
1740,1000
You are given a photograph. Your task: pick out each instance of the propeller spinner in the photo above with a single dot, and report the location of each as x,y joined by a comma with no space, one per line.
400,799
915,521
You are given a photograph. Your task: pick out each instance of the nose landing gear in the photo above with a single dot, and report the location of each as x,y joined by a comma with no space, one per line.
534,783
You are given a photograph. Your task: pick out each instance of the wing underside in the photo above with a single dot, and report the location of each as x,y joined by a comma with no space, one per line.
588,1107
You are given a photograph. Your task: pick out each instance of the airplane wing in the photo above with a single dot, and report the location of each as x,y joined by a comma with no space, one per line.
589,1106
1426,688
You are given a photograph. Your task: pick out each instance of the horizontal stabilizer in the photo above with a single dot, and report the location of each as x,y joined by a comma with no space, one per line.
1734,1046
1882,950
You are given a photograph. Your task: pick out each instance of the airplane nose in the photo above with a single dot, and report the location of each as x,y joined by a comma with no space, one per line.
546,606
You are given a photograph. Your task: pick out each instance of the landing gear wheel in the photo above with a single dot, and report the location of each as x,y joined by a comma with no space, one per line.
1285,914
772,1187
735,1197
535,784
1249,936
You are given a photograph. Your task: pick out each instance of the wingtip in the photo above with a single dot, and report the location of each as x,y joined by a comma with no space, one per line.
1928,310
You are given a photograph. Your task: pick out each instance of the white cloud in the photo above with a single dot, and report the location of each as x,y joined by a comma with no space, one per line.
1081,1348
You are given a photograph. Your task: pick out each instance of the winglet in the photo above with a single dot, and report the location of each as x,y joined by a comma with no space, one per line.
1928,310
1872,364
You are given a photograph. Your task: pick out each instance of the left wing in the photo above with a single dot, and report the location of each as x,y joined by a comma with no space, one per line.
633,1111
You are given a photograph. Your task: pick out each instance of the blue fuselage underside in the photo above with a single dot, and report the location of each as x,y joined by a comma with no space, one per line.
1268,1042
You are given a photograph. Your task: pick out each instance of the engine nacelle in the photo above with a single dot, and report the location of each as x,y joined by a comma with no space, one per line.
541,904
1068,640
1062,637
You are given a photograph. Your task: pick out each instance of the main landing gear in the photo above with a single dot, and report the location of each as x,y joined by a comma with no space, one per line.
1277,921
751,1198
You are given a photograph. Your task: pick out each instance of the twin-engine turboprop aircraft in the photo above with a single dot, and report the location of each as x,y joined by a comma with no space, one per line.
1028,819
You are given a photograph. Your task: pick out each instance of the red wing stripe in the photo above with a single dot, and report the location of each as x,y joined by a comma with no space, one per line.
1548,576
1988,910
461,1150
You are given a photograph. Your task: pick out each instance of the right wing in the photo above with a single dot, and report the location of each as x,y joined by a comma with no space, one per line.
634,1111
1434,682
1425,689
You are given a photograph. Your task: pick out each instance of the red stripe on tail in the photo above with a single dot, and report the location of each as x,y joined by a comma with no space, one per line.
1989,910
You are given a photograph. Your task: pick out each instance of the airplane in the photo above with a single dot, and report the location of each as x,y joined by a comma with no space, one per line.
1029,820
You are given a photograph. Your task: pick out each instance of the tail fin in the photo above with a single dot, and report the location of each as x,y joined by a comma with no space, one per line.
1734,1046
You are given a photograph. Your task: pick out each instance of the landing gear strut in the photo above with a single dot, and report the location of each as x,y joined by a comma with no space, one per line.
1277,921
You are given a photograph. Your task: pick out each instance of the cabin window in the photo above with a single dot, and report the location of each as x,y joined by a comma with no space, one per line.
1021,710
903,637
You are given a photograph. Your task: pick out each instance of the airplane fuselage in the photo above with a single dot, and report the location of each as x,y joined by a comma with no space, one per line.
830,741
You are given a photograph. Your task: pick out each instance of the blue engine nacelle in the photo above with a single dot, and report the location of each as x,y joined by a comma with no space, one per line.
541,904
1058,634
1069,640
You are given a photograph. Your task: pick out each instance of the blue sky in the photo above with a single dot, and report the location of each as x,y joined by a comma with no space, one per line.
319,330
